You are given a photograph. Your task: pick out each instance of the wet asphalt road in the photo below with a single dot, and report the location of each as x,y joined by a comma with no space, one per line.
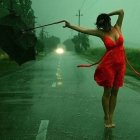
52,99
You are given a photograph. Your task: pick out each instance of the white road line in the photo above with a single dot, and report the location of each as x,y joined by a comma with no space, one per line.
54,85
42,132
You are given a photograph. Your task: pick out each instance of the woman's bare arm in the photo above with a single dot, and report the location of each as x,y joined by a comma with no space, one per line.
94,32
120,14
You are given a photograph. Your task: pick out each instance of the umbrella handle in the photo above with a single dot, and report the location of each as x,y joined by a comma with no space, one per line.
30,29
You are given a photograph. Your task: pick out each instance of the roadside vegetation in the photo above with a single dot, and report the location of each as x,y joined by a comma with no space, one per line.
21,10
133,56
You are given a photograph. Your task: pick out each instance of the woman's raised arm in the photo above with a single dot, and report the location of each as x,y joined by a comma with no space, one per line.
120,14
94,32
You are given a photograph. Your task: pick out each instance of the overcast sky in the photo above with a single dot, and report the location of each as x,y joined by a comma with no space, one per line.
48,11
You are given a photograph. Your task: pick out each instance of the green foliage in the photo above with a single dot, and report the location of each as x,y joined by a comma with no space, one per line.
22,8
81,42
51,42
133,56
25,10
40,46
84,41
69,45
20,16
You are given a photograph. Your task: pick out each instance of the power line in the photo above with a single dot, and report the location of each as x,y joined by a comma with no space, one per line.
92,4
82,4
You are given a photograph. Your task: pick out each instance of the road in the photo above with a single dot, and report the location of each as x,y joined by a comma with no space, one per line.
52,99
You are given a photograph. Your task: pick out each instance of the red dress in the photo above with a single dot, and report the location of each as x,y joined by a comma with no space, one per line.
111,70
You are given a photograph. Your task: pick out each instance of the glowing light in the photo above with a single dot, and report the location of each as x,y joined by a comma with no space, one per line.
59,83
60,50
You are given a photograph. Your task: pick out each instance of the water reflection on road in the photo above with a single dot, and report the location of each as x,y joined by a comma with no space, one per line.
54,90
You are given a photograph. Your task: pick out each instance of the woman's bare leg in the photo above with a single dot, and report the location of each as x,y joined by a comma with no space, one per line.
105,104
112,103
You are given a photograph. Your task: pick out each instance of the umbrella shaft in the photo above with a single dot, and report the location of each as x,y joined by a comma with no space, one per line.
44,25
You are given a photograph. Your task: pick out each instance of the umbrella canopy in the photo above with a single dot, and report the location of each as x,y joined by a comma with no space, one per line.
20,47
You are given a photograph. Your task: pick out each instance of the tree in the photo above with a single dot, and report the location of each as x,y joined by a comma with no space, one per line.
84,41
40,46
48,43
52,42
3,10
22,8
18,18
81,42
76,42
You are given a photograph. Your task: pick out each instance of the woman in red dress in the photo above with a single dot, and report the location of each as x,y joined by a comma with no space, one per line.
111,69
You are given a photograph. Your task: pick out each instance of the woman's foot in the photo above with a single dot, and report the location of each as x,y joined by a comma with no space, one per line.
113,124
107,123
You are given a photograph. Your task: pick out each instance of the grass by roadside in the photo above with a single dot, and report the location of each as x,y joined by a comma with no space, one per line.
133,56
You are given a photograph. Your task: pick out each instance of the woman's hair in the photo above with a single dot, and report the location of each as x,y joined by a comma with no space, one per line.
103,22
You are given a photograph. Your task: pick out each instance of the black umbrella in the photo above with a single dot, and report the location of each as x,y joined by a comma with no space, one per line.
20,47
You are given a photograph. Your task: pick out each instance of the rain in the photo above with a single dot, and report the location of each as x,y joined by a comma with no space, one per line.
65,76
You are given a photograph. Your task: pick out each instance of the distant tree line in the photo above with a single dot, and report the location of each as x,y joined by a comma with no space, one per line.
46,43
81,42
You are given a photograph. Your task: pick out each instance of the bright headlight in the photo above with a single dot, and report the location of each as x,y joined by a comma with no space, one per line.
60,50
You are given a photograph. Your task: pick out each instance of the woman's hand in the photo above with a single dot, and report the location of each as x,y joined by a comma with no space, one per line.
67,24
120,14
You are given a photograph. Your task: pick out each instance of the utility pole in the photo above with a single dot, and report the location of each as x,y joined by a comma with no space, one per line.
79,20
42,34
47,33
79,16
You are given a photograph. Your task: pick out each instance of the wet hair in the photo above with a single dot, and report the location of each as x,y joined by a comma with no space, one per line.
103,22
